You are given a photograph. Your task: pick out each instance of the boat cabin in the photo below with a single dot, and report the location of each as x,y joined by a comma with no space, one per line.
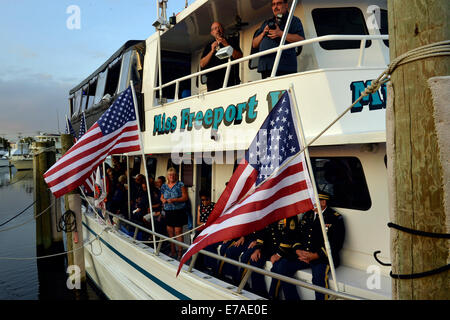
205,134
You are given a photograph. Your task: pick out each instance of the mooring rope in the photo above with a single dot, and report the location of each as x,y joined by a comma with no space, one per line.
9,220
97,237
33,218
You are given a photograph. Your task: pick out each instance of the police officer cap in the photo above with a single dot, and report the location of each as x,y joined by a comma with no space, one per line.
324,195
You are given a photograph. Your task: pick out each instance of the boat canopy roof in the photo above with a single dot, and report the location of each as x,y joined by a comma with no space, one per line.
129,44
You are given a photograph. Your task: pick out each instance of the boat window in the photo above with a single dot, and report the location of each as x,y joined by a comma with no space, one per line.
175,65
343,178
340,21
71,105
384,27
77,102
187,174
84,98
91,94
101,83
151,166
136,166
125,71
112,79
136,68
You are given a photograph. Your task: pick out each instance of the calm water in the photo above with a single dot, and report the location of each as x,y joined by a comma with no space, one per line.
27,279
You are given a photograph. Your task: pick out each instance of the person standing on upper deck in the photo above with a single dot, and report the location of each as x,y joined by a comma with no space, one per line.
269,36
216,78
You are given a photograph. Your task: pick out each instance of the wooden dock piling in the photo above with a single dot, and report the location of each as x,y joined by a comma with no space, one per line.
42,161
417,177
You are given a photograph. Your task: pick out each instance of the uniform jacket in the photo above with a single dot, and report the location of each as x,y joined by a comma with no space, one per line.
278,238
309,236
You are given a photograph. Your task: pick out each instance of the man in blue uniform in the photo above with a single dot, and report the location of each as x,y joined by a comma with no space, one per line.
310,252
269,36
271,245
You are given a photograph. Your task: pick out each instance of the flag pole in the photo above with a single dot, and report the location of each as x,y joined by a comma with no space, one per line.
104,211
129,187
313,181
145,163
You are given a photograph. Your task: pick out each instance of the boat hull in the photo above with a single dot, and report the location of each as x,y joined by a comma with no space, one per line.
22,164
4,163
124,269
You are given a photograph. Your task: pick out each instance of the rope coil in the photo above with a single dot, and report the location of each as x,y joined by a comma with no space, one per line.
67,222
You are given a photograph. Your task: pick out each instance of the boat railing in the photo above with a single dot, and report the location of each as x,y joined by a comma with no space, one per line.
360,63
249,268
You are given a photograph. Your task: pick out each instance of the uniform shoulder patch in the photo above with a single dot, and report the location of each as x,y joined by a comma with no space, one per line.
292,225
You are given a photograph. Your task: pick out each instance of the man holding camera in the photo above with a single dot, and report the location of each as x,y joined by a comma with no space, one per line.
269,36
216,78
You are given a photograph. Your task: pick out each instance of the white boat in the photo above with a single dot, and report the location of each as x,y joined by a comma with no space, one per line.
21,158
339,59
4,161
46,137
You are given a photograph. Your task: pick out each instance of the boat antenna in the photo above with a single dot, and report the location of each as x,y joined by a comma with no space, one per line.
57,119
161,21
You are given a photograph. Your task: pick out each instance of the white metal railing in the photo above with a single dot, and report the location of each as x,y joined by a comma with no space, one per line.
362,38
248,267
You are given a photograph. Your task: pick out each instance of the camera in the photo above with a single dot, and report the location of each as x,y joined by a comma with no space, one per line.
272,24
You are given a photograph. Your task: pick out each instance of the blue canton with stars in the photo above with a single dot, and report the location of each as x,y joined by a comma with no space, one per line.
82,130
120,112
275,142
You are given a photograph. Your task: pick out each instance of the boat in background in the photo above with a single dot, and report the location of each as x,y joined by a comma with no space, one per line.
46,137
21,158
4,161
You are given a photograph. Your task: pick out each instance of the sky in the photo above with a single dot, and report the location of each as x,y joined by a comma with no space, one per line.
46,51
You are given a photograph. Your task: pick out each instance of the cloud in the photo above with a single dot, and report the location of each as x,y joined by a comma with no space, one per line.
22,51
32,104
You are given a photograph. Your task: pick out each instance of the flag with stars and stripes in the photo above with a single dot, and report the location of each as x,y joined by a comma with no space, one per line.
115,132
271,183
89,183
69,128
82,130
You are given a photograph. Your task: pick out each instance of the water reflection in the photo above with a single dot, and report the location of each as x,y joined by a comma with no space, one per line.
41,279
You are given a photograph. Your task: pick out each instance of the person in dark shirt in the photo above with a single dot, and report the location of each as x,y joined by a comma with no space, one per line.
205,208
269,36
216,78
309,248
270,245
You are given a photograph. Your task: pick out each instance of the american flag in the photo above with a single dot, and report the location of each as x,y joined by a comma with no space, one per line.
69,128
82,130
270,183
115,132
89,183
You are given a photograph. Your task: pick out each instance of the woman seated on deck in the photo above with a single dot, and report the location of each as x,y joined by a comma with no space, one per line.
174,197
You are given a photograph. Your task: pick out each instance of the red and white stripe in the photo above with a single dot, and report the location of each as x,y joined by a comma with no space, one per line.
78,163
287,193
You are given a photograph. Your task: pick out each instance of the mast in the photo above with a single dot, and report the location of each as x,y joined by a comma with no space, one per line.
414,164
